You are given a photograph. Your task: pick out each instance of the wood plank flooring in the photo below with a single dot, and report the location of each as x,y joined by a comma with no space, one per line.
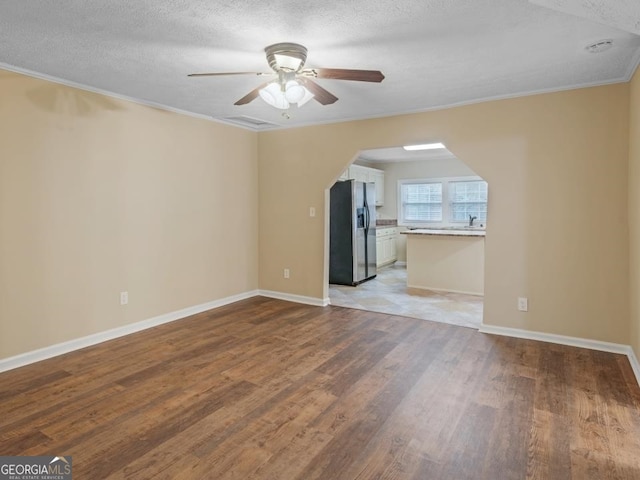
270,390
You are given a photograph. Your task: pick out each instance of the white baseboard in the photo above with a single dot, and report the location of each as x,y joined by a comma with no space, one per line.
78,343
316,302
635,365
444,290
400,264
570,341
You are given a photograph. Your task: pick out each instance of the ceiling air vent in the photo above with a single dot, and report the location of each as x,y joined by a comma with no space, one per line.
254,123
599,47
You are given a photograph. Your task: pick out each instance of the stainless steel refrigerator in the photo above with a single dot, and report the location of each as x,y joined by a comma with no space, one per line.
352,239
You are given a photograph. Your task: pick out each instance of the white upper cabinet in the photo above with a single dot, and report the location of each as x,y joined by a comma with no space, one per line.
366,174
378,179
361,174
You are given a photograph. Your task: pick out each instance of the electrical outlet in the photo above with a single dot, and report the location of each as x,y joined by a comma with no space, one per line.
286,273
312,211
523,304
124,298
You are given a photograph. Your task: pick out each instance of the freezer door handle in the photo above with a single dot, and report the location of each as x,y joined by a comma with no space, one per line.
367,217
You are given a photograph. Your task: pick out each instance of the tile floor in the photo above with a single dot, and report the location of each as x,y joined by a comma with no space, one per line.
388,293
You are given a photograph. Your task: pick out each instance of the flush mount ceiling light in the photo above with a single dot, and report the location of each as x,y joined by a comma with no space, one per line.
599,47
424,146
294,84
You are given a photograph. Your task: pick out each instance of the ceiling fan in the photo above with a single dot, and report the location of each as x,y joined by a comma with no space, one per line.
294,84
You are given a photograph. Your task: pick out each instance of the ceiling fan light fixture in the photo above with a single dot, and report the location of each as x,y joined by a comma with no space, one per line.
295,84
286,56
294,92
288,63
307,96
283,95
273,95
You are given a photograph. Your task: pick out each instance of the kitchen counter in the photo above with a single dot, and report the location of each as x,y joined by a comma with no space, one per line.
450,260
452,232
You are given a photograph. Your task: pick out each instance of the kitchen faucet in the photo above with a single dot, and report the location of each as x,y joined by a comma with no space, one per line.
471,219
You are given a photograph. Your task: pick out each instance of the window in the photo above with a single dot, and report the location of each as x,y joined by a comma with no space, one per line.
468,198
420,202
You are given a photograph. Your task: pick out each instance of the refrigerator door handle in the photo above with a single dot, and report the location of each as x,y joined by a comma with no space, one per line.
367,220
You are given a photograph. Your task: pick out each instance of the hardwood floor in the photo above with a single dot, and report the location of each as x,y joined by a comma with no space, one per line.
265,389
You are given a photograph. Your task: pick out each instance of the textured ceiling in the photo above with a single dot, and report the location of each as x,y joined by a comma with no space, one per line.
622,14
434,53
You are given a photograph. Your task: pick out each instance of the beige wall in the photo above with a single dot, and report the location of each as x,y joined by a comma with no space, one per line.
394,171
634,211
445,263
557,169
99,196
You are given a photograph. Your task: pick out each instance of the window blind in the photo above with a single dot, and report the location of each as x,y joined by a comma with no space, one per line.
468,198
422,202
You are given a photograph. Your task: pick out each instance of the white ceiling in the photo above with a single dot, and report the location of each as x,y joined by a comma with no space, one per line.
434,53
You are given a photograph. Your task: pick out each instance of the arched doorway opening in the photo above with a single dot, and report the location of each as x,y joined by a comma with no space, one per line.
430,211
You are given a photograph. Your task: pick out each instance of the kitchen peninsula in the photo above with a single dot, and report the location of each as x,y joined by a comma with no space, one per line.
449,260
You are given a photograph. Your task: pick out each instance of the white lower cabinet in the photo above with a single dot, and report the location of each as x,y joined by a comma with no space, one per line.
386,253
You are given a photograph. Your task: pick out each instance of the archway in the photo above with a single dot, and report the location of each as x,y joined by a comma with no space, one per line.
446,271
